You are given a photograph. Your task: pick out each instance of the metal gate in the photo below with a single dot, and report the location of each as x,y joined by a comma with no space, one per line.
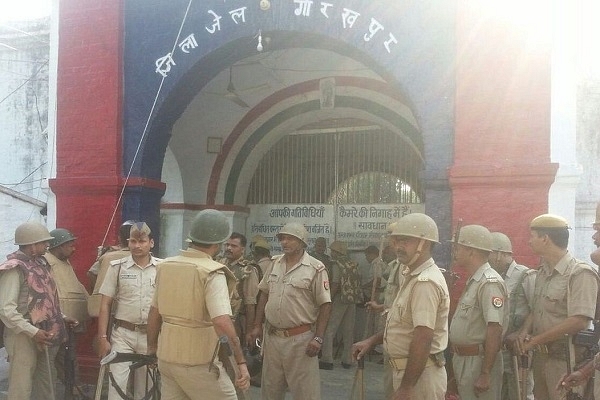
347,165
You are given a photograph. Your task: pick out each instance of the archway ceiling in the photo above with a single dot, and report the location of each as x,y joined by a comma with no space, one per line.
212,113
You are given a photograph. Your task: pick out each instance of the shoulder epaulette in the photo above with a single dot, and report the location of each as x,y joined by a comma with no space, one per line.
120,261
318,266
491,279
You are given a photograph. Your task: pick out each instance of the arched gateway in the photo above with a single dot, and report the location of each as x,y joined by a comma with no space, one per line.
174,101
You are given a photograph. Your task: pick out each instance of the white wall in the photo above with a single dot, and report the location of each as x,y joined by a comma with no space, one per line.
23,125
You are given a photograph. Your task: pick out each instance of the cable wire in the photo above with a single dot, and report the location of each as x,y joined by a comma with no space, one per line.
145,131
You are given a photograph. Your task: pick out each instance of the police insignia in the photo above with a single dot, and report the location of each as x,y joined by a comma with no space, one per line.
326,285
497,302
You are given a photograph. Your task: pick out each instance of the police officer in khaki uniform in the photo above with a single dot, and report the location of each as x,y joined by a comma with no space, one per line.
564,304
243,302
416,330
261,251
30,310
520,283
392,285
97,271
130,283
480,319
345,294
295,302
581,376
71,293
191,310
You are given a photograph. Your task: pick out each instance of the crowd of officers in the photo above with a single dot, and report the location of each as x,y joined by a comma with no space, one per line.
515,333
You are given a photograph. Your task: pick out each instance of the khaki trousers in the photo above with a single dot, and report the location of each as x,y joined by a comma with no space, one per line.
28,376
431,384
285,364
342,315
547,372
468,369
125,341
195,382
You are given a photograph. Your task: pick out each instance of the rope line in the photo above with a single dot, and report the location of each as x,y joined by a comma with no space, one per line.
145,131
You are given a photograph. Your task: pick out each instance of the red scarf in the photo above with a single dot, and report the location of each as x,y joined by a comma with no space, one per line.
42,301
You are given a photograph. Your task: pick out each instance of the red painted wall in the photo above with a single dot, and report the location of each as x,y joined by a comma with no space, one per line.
502,171
88,176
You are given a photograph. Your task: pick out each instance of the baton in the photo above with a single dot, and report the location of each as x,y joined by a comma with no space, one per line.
517,374
49,373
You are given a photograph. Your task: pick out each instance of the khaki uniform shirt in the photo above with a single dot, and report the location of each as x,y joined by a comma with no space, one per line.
520,283
484,300
14,295
393,283
423,300
296,295
133,287
567,290
264,264
71,293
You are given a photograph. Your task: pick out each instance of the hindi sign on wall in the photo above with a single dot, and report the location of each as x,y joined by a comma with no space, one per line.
359,225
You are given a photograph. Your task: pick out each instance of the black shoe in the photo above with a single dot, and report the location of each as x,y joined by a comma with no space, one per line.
325,365
346,366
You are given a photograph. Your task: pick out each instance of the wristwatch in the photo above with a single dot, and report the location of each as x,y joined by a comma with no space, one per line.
318,339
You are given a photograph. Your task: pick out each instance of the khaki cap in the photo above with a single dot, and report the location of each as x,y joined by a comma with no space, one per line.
262,243
139,230
340,247
549,221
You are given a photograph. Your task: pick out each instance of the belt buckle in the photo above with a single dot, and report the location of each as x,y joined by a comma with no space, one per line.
285,333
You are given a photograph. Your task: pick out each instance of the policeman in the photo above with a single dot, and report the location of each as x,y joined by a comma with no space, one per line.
345,294
582,375
261,251
71,293
97,271
191,310
565,303
480,318
520,283
243,302
129,283
416,330
30,311
295,302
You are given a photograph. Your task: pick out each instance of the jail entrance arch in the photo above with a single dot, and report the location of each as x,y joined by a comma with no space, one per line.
344,179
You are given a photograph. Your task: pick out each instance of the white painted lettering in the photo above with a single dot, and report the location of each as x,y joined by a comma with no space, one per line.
374,27
237,14
164,64
216,26
349,17
303,7
188,43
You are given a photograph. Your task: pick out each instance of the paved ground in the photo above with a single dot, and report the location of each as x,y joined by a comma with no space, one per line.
335,385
